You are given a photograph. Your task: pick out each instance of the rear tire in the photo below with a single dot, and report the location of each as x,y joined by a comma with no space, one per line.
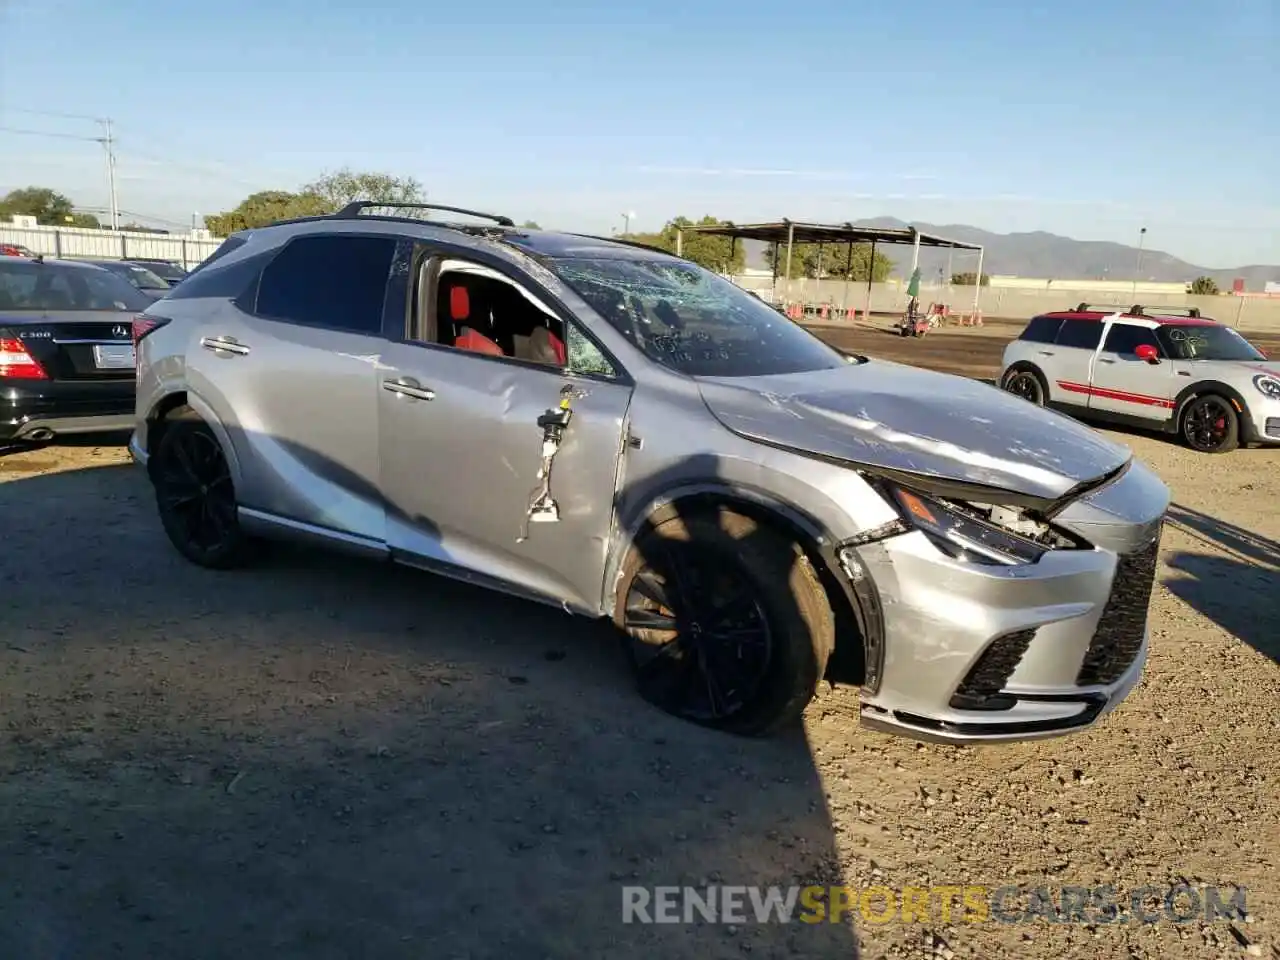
195,495
1210,424
725,622
1026,383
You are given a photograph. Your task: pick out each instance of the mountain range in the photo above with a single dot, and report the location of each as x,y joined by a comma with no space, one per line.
1041,254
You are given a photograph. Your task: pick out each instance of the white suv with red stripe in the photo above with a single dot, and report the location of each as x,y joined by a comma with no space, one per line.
1166,368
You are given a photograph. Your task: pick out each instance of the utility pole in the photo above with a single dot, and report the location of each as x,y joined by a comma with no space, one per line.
109,143
107,140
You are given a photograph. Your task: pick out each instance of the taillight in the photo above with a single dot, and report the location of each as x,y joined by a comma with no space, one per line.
142,325
15,362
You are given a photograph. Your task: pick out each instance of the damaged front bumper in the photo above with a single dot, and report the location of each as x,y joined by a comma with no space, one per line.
977,652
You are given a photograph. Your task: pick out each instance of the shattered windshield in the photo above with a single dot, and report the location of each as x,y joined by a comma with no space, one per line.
688,319
1203,342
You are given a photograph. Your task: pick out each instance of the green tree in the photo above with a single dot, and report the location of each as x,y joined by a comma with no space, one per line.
832,259
1203,287
966,279
264,207
86,220
48,206
326,194
341,187
716,253
531,225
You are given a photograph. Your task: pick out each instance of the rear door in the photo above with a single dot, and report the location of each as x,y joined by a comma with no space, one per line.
291,373
1123,384
1069,366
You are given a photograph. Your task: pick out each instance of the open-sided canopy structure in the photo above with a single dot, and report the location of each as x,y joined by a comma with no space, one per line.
785,234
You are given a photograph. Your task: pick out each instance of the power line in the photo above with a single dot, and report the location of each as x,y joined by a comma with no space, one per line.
52,113
50,133
107,140
201,169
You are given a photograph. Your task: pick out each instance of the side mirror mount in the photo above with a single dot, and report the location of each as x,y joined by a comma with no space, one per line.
1147,352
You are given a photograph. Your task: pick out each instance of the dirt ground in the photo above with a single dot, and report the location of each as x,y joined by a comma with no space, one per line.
328,758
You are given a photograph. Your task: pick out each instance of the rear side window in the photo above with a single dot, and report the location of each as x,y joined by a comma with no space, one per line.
334,282
1126,338
1041,330
1084,334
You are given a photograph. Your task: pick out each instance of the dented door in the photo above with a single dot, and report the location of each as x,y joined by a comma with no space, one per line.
461,450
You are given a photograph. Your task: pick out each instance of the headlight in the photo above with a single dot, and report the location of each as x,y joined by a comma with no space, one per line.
979,533
1268,384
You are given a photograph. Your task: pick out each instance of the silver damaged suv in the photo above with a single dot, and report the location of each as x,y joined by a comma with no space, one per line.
613,430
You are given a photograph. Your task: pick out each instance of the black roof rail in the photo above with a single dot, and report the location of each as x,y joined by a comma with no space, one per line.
1193,312
1134,310
354,209
1139,310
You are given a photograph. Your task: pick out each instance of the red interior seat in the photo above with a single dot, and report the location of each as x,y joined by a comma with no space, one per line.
468,338
477,342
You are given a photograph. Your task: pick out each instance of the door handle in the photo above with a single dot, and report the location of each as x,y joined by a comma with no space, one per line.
408,388
1105,360
224,345
1046,353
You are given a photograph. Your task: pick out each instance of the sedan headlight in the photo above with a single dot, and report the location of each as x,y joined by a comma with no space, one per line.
980,533
1268,385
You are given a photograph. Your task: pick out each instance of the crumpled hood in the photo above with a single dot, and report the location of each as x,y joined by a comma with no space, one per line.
901,418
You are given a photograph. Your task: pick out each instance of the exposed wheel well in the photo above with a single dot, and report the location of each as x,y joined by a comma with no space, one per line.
168,409
848,660
1209,389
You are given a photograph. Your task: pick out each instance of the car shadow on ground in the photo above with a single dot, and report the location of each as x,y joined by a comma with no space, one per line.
328,757
1237,586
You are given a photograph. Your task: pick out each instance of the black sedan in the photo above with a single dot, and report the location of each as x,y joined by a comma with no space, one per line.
66,349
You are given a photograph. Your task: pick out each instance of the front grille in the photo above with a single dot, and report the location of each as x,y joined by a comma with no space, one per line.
980,689
1118,639
1273,426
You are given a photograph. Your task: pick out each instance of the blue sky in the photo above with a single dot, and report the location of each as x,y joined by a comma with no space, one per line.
1089,119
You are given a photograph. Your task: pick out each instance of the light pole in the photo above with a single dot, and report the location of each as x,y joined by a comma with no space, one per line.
626,222
1142,236
107,140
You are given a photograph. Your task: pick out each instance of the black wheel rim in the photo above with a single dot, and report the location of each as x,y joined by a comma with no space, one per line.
195,490
699,638
1206,425
1024,385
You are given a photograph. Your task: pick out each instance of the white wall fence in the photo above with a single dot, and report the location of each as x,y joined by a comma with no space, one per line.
1246,313
74,243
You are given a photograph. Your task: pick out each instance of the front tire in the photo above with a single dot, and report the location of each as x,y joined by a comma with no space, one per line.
725,622
1210,425
1025,383
195,496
